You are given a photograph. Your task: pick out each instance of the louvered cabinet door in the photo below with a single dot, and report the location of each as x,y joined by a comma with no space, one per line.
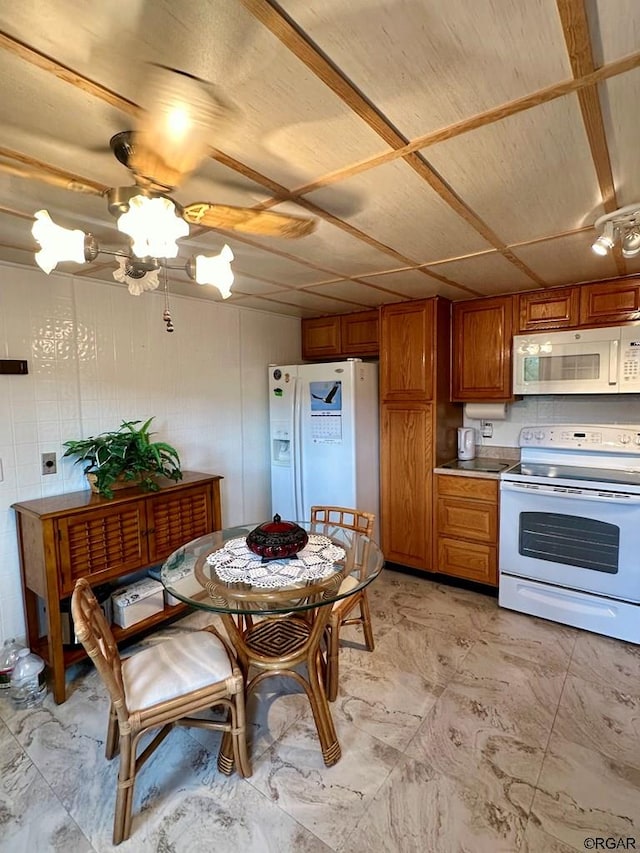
176,518
103,543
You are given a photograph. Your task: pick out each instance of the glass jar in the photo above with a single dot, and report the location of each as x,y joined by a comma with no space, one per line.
8,658
28,684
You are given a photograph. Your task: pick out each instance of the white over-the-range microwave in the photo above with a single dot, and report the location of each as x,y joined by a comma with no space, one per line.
583,361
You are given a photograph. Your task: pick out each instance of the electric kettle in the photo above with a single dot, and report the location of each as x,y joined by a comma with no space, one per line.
466,443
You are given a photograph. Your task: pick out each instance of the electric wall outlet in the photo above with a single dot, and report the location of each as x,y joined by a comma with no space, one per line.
487,429
49,465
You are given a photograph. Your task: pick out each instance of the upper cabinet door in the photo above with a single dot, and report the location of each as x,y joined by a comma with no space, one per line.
321,337
482,340
359,333
406,351
607,303
548,309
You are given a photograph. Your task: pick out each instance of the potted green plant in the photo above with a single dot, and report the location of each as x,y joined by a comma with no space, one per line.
125,457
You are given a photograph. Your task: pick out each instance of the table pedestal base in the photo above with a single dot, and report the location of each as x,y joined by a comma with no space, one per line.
275,646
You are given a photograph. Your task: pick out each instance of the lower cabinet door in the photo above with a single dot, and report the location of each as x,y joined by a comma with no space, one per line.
177,517
406,483
103,543
471,560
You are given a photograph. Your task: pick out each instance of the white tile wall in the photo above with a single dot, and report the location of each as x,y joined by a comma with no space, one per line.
558,409
98,355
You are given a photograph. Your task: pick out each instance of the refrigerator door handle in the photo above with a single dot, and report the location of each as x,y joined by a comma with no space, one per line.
298,498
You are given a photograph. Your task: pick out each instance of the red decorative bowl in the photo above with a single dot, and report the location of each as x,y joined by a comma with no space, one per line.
277,539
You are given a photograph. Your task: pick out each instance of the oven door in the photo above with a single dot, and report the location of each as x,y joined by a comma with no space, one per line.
579,538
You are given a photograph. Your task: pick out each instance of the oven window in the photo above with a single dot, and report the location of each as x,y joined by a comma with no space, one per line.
570,540
563,368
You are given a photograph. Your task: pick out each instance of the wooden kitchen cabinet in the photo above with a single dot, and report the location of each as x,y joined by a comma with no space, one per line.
418,425
359,333
342,336
558,308
406,351
321,337
467,527
482,331
80,534
607,303
406,437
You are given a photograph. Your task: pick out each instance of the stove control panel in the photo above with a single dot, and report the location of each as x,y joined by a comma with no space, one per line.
623,438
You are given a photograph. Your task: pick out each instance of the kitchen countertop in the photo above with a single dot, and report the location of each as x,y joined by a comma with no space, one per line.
484,467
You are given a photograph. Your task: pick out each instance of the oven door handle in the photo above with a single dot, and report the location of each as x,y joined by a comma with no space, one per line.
570,493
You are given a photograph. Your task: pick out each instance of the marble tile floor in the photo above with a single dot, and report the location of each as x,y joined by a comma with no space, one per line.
469,728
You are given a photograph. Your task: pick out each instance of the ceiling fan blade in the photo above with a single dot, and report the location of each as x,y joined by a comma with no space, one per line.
177,127
64,180
247,219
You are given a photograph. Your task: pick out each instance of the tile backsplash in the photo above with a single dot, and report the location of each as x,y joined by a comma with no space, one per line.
557,409
98,355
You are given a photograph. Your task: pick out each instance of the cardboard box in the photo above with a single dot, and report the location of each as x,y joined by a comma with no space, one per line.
137,601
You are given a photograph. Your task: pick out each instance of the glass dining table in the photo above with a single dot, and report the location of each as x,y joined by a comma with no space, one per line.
275,612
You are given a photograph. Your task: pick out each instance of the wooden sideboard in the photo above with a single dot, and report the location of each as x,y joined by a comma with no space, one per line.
80,534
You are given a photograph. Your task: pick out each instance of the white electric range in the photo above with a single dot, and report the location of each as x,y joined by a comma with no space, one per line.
570,528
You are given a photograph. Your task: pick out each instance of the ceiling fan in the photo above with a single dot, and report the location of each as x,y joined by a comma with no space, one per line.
171,139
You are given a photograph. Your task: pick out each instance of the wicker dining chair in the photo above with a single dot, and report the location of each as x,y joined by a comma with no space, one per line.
323,518
159,687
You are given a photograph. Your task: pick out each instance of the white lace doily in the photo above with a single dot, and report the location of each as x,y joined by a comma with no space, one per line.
235,563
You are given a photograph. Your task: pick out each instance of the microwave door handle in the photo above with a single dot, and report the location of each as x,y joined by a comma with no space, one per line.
613,362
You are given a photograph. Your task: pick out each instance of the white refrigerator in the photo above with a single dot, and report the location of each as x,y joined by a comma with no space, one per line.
324,440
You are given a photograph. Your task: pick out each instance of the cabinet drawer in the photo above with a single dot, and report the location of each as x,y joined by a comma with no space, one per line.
468,519
469,560
478,488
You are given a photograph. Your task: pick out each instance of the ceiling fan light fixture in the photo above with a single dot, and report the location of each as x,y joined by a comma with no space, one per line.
153,225
60,244
215,270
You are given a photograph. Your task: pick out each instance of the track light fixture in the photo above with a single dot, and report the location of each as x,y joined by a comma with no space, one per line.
623,225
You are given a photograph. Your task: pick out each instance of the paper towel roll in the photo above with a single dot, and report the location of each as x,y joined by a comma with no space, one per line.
486,411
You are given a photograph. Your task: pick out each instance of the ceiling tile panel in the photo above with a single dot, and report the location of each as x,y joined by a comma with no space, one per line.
329,246
615,29
621,122
455,60
272,307
413,284
313,301
566,259
401,211
360,295
485,274
528,176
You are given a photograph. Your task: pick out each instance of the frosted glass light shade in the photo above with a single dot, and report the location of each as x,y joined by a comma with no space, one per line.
57,243
216,270
153,227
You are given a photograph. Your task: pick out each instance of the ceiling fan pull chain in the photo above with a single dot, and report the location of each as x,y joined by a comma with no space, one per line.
167,309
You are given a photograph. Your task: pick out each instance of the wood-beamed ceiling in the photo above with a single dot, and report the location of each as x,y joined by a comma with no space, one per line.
440,151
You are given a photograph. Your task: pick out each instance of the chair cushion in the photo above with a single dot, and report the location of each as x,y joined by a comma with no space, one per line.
347,584
174,668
